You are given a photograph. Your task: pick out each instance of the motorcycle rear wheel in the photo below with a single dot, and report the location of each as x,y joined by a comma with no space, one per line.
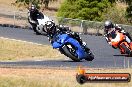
91,56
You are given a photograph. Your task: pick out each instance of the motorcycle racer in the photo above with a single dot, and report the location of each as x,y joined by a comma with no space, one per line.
33,13
53,29
112,29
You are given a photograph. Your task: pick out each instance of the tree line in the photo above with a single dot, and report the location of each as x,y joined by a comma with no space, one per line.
36,2
93,10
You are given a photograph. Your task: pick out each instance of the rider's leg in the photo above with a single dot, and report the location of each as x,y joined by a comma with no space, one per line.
128,35
34,28
76,35
128,40
78,38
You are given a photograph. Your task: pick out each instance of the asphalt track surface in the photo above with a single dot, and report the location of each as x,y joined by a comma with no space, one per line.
105,55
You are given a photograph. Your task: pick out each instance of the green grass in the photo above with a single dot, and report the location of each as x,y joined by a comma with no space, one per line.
14,50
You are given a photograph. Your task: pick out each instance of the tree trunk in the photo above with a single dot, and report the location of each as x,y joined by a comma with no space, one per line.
46,2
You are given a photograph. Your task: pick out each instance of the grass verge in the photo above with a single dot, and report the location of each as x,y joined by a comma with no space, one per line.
53,78
14,50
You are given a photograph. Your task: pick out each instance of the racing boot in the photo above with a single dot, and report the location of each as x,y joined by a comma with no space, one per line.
84,44
85,47
128,35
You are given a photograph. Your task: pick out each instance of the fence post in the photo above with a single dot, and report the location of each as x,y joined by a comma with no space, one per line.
124,62
114,61
128,65
14,18
81,26
97,30
84,27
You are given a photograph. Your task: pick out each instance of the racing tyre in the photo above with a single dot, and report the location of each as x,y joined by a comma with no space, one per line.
40,31
37,33
90,57
69,51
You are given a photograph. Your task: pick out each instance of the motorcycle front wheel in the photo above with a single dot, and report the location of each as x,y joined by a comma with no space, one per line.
69,51
40,31
127,49
90,57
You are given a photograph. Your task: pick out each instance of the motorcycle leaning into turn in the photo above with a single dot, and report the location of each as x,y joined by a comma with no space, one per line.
120,41
38,26
68,45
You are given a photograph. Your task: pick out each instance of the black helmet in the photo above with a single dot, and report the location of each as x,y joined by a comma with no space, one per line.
108,24
51,27
50,24
32,8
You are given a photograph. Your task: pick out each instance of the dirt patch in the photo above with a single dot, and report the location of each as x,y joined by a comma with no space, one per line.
12,21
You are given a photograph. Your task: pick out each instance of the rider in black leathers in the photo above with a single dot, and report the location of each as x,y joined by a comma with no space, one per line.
53,29
33,14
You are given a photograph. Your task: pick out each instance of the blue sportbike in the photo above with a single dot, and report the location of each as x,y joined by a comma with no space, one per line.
68,45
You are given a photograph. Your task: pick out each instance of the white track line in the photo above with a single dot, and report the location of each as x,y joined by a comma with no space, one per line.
20,41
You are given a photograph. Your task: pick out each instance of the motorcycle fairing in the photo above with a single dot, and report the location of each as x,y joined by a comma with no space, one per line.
119,37
44,20
119,41
62,39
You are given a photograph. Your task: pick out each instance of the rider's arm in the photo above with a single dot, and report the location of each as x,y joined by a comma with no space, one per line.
120,29
108,39
63,29
30,18
41,14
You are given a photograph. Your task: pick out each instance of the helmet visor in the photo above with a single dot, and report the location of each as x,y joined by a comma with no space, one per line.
107,27
32,7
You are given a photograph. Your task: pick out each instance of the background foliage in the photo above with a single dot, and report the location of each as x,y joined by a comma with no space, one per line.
84,9
93,10
129,8
96,10
38,3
